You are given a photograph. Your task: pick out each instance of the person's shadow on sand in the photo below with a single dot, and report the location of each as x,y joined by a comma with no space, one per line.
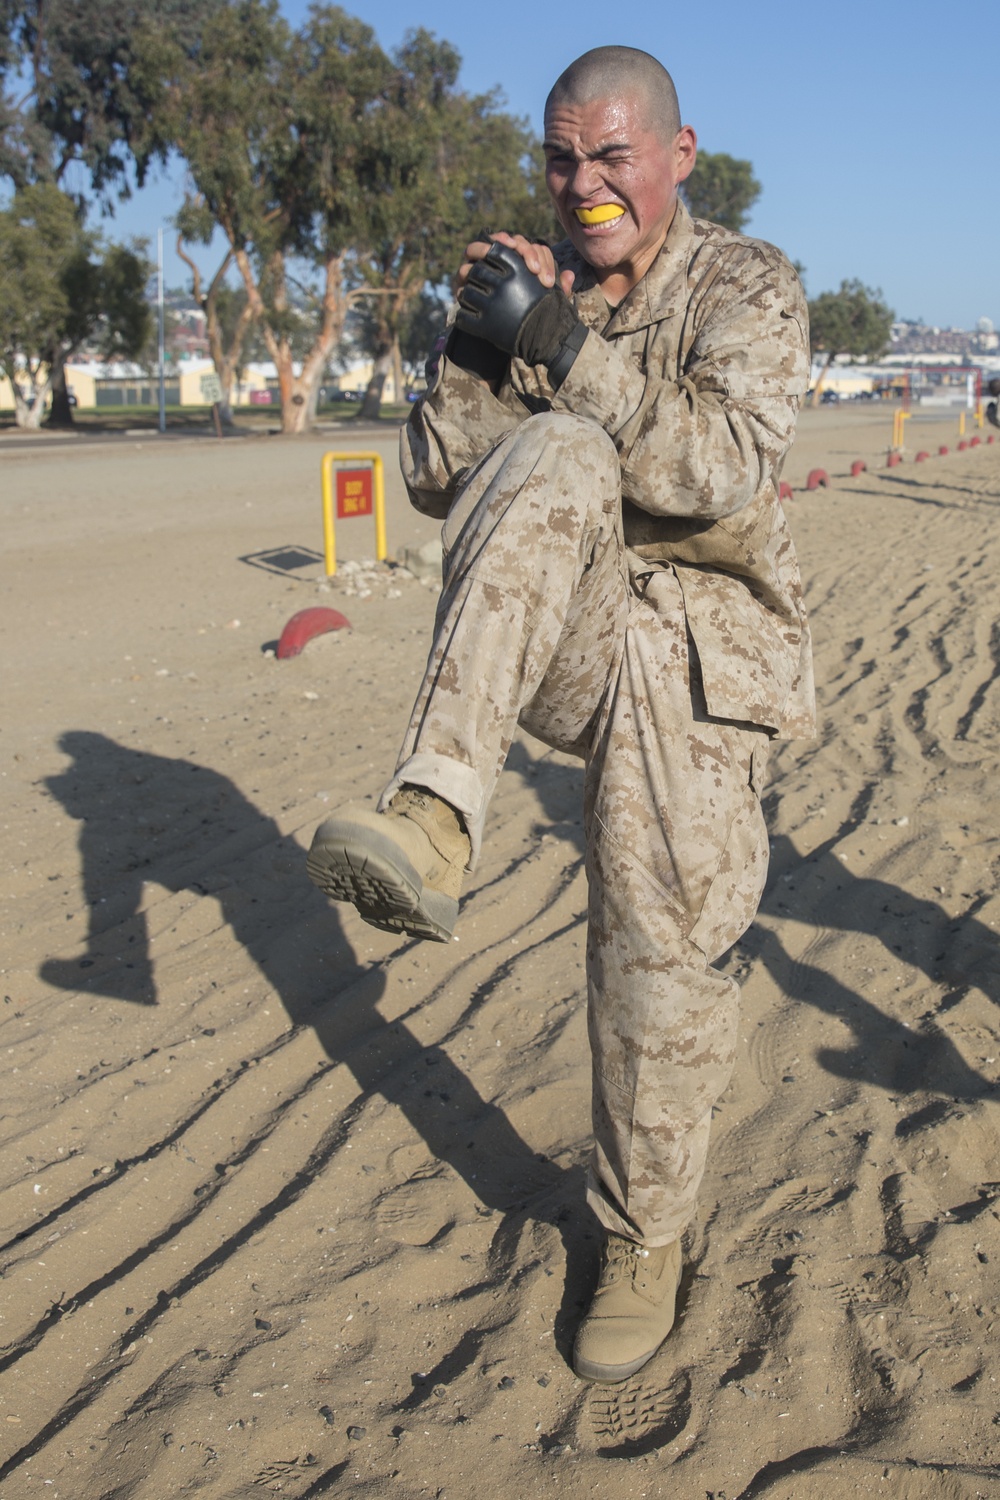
825,894
151,818
822,893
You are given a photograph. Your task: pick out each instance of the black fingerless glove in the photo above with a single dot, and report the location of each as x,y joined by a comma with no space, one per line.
506,304
476,355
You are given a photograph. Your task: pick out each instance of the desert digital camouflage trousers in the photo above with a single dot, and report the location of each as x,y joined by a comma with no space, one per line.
547,620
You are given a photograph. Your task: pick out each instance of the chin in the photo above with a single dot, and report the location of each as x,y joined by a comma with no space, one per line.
604,252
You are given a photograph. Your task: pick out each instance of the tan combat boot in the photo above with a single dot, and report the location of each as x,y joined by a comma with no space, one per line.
401,868
632,1311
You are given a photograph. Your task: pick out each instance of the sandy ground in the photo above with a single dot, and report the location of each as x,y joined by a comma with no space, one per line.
289,1206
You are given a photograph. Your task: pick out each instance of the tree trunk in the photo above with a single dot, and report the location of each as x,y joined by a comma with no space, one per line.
60,411
372,403
225,360
28,412
397,369
817,388
299,393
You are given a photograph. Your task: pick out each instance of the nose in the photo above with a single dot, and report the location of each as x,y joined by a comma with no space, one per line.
585,179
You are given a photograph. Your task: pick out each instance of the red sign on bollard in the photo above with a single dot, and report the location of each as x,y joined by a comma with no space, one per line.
355,493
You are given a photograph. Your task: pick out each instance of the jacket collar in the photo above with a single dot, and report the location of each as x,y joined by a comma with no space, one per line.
657,296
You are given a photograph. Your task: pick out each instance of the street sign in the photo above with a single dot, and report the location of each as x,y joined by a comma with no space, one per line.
355,493
211,388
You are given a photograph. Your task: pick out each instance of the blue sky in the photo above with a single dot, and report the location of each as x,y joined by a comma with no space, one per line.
874,128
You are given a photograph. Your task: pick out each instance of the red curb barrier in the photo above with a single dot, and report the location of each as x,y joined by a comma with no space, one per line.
817,477
974,442
921,457
893,460
858,467
302,627
991,438
962,447
786,492
943,450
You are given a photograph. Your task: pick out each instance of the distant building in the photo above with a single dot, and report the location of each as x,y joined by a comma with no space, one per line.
95,384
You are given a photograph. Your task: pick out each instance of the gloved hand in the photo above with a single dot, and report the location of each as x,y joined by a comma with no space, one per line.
506,304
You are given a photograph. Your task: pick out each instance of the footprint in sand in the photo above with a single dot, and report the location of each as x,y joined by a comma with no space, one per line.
639,1416
423,1209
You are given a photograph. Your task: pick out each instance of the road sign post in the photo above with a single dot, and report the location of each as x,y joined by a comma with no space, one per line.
352,490
211,390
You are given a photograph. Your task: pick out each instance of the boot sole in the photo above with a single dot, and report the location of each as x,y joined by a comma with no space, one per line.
588,1369
363,866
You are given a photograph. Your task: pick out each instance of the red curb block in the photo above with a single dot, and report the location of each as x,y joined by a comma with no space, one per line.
921,457
962,447
893,460
786,492
302,627
858,467
974,442
943,450
817,478
991,438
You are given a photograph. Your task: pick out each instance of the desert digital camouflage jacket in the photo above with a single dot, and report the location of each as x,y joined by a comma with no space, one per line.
697,376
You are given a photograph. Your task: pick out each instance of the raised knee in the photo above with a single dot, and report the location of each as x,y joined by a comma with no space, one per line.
575,439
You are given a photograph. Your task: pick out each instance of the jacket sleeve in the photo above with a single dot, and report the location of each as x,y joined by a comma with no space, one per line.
701,440
451,427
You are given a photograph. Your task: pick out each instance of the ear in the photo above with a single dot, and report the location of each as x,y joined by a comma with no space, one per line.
685,149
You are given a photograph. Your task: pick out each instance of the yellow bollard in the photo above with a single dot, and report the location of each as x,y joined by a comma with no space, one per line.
359,492
961,424
979,415
898,434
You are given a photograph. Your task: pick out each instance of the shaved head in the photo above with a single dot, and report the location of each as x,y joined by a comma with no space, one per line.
614,72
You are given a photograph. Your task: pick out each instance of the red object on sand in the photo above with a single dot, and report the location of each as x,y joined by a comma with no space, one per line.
816,478
302,627
991,438
893,460
974,442
786,492
962,447
943,449
921,457
858,467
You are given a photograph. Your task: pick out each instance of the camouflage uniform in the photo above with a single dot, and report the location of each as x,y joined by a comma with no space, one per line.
619,579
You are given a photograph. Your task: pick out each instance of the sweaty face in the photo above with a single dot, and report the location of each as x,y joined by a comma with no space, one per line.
614,181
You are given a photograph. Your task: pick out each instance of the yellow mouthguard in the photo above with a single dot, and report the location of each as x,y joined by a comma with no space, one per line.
599,215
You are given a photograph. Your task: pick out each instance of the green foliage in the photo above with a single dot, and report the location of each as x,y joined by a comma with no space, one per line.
88,100
853,320
448,164
60,288
721,188
324,160
272,125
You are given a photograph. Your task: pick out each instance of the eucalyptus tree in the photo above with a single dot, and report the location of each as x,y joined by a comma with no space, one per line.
73,93
78,111
448,164
854,320
722,188
229,314
275,127
61,287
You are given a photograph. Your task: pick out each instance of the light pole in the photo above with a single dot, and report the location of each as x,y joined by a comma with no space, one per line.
161,349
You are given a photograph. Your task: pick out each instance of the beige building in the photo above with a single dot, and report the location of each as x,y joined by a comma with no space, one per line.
97,385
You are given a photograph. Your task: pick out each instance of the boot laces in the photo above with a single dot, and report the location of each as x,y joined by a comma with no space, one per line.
622,1258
